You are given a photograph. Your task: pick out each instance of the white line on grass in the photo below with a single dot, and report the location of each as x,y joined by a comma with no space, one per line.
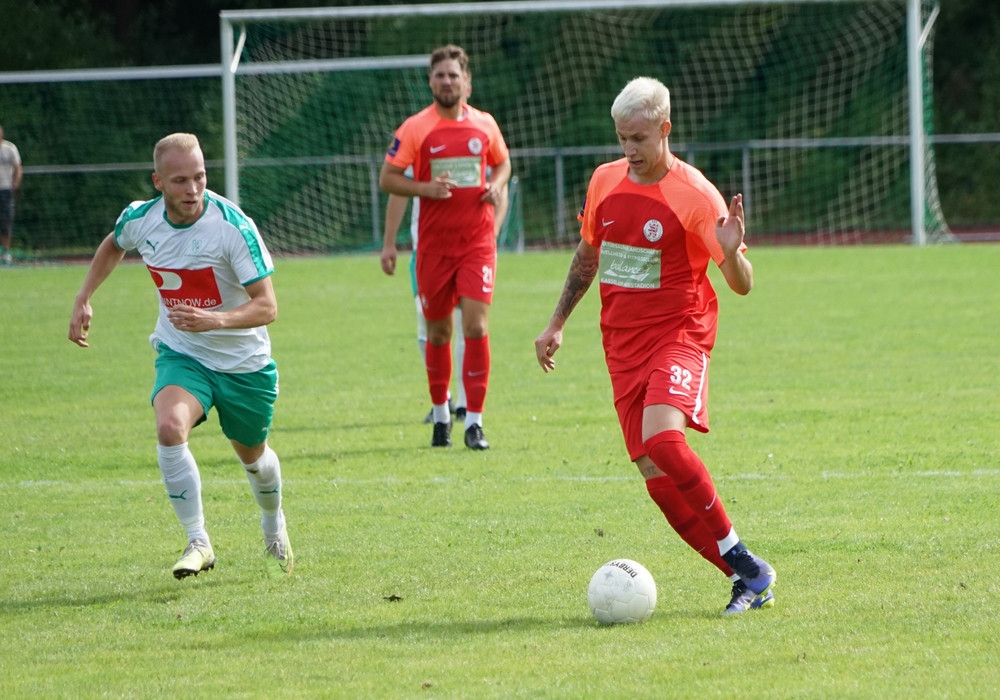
932,474
909,475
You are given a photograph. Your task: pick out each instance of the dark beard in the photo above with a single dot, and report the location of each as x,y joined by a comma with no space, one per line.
447,101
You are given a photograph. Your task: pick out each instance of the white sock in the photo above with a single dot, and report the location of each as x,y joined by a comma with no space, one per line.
441,413
183,482
729,542
264,476
472,419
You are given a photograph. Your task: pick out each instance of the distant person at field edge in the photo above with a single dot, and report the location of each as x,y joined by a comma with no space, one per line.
213,273
10,183
394,210
450,146
650,226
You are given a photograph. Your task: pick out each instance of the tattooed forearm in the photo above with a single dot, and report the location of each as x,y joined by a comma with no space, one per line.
581,274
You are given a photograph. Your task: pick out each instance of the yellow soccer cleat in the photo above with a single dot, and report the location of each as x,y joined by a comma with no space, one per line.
197,557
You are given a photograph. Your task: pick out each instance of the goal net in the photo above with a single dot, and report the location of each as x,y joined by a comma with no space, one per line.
804,107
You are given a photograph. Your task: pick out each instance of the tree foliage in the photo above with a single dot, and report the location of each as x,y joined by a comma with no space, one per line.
66,34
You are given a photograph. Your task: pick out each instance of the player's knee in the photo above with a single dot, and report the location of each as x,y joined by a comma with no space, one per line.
171,429
475,328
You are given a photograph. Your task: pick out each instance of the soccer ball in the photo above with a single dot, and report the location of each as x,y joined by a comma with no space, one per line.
621,591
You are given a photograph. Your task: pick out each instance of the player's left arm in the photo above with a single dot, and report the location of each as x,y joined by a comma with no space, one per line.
729,232
496,186
260,310
500,210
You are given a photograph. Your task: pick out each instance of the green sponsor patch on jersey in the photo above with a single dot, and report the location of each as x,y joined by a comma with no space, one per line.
464,170
628,266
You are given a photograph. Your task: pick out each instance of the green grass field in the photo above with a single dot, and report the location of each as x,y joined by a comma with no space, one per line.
854,412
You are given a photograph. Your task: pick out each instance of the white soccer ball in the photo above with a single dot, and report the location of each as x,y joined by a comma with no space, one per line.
622,591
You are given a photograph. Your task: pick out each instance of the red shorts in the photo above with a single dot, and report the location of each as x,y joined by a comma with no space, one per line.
442,279
675,375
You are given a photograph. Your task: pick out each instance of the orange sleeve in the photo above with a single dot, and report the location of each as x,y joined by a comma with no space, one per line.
405,148
498,147
604,179
484,121
698,204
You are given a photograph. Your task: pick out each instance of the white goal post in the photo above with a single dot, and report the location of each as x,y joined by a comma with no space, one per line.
825,131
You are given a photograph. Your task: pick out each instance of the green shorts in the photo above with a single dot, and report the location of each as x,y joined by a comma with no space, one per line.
245,402
413,272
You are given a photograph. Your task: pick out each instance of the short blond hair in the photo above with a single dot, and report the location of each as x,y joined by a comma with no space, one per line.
178,141
644,96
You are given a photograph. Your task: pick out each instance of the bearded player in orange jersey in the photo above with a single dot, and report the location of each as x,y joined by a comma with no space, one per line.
650,226
451,146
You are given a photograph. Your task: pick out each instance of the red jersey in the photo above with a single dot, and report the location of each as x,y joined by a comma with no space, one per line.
465,148
654,242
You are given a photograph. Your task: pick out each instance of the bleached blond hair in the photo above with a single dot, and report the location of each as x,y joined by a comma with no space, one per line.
644,96
170,142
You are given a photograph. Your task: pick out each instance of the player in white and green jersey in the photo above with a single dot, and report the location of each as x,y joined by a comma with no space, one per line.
213,273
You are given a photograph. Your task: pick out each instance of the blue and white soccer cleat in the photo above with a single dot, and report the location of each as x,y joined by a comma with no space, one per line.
756,573
744,599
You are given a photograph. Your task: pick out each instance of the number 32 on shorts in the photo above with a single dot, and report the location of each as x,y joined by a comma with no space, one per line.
680,377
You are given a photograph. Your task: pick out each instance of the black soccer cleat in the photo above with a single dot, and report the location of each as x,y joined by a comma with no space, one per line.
442,435
474,438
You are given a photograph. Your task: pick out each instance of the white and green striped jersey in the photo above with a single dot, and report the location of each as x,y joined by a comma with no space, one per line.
206,264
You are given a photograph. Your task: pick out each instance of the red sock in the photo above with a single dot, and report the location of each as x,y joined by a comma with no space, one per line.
438,359
685,521
476,372
670,452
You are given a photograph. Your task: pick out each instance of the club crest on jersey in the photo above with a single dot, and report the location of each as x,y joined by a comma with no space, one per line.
475,146
653,230
196,288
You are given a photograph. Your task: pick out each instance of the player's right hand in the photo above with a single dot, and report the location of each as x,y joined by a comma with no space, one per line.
546,345
388,261
440,187
79,325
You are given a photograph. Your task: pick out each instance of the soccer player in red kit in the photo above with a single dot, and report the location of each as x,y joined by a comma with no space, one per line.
450,146
650,226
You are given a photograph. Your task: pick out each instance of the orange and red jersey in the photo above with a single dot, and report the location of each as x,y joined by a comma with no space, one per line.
655,242
464,148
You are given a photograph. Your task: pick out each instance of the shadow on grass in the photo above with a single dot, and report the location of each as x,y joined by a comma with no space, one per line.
444,629
325,428
167,592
